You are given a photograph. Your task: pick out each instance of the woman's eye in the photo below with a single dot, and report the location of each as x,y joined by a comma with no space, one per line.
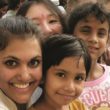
34,63
53,21
36,22
11,63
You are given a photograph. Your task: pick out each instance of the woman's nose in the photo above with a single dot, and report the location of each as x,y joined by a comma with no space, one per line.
24,74
46,29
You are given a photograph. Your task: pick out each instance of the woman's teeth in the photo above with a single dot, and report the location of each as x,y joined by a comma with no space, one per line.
21,85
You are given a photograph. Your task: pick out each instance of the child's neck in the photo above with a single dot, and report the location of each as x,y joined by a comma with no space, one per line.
44,105
95,72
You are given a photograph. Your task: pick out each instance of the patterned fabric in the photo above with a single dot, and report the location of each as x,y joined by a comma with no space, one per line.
96,94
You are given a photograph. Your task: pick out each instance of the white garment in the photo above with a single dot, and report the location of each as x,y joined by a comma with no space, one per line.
62,9
37,93
56,2
6,103
9,14
96,94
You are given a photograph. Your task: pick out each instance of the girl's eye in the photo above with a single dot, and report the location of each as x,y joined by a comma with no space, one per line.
11,63
102,34
85,30
79,78
34,63
60,74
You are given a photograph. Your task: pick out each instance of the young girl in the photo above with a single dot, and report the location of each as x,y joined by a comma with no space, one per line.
66,65
45,14
90,22
20,61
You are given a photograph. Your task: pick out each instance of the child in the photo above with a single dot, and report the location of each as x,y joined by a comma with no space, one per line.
66,64
90,22
20,61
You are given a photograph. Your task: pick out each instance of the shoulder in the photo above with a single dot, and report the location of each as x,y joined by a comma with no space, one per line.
106,68
77,105
6,103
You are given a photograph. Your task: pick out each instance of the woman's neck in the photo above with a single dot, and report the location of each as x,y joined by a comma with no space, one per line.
21,106
96,71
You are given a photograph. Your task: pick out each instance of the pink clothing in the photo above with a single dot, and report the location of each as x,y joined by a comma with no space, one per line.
96,94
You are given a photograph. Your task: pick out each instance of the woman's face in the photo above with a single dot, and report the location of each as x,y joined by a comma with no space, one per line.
48,21
20,69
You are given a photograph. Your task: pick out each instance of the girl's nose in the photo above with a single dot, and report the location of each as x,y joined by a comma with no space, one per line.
70,86
94,39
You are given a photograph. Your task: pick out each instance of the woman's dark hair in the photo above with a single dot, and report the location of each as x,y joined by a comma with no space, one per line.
13,4
3,3
49,4
17,28
85,10
58,47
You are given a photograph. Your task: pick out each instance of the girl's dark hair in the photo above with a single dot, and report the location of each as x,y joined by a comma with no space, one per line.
85,10
19,28
58,47
49,4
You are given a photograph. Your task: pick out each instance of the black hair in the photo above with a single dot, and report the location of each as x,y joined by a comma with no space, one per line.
3,3
19,28
85,10
13,4
57,47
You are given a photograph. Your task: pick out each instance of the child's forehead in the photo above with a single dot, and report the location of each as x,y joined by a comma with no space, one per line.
94,17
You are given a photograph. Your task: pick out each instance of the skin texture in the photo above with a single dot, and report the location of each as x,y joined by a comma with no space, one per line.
107,53
95,34
47,20
21,68
63,84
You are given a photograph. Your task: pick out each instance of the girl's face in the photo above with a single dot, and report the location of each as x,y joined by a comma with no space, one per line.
94,33
48,22
20,69
64,82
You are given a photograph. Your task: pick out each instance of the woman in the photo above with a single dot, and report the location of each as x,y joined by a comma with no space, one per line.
49,18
